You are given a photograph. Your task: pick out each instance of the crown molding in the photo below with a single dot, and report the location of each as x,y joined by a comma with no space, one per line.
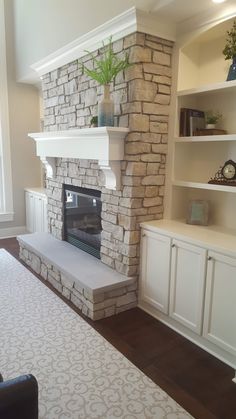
118,27
122,25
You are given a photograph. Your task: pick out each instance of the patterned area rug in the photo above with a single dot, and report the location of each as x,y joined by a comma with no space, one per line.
80,374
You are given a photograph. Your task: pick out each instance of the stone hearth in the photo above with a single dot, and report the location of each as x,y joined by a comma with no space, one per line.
97,290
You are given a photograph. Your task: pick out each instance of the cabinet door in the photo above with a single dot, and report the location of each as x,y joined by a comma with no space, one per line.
44,216
187,284
155,268
39,214
220,305
29,205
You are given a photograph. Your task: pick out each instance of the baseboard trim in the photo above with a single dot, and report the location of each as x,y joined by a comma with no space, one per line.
6,233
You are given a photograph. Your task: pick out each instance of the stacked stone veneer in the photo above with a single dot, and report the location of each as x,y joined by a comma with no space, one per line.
94,305
142,98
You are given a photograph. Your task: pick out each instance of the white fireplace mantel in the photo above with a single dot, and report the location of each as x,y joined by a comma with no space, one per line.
105,144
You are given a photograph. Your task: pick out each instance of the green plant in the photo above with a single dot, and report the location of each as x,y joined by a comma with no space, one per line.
94,121
107,65
212,117
229,50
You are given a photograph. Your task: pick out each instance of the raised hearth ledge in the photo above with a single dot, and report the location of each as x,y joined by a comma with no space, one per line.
105,144
93,287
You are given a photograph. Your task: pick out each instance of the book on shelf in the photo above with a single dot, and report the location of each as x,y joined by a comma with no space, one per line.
191,120
210,131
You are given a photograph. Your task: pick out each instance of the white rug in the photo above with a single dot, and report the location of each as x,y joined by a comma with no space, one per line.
80,374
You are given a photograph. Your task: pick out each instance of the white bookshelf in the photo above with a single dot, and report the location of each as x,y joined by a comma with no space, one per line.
178,258
207,186
201,84
222,87
188,271
206,138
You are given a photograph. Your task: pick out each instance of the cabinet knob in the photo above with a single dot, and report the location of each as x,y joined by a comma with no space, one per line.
173,245
143,234
209,258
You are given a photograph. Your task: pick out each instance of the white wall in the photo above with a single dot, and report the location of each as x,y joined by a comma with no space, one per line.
23,118
43,26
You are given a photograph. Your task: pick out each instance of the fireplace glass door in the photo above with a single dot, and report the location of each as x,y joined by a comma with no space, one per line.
82,218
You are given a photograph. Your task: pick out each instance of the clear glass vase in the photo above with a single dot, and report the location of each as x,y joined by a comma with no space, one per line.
106,109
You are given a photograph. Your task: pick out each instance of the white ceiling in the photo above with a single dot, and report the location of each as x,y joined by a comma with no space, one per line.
53,25
179,10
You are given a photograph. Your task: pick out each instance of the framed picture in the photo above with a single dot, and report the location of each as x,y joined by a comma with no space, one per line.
198,212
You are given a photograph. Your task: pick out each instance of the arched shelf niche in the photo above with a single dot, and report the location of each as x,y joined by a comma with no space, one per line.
201,61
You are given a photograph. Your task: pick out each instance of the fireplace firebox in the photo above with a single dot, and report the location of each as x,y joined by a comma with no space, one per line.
82,218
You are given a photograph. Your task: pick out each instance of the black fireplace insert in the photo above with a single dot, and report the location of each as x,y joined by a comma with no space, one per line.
82,218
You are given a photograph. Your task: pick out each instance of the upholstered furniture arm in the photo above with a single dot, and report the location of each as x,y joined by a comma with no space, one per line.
19,398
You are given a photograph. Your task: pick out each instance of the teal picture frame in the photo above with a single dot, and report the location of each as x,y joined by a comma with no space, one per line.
198,212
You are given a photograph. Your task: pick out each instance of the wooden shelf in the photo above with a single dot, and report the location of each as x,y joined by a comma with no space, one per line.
225,86
206,138
198,185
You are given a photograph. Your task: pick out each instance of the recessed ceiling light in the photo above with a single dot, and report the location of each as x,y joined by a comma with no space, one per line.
218,1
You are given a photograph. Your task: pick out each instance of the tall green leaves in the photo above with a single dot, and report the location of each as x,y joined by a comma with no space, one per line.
106,66
229,50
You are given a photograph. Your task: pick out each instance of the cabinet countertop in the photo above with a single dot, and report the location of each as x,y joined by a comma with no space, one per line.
38,191
211,237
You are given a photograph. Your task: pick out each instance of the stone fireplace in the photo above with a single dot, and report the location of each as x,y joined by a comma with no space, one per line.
142,98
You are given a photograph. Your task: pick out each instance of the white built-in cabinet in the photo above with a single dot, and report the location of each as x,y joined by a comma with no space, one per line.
188,281
36,210
187,284
188,273
220,306
155,279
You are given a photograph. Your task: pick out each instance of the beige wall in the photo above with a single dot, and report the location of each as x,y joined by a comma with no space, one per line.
24,118
202,61
43,26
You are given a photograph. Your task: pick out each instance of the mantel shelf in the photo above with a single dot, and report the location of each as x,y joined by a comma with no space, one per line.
105,144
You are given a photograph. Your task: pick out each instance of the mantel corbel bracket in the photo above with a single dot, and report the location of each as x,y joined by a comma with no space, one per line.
50,166
110,169
112,173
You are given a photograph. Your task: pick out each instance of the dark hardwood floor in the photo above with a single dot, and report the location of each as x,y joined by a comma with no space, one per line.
196,380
